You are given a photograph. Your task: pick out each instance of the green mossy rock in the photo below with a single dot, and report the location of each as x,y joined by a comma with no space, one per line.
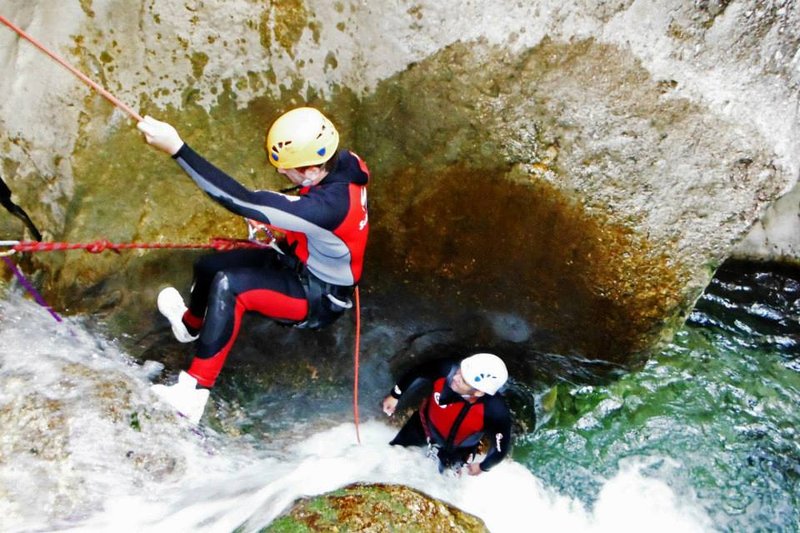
375,508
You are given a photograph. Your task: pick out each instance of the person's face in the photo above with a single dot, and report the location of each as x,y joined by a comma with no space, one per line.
462,387
302,176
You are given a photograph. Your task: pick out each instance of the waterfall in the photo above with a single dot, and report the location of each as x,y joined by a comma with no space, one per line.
86,447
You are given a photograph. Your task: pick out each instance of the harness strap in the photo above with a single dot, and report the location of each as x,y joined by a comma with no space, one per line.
314,295
448,455
451,437
326,301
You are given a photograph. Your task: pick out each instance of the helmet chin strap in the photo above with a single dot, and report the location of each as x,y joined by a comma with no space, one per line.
308,182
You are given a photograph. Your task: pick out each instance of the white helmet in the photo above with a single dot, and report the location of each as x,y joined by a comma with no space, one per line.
485,372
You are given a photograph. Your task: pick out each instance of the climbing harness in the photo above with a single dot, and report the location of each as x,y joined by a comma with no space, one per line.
63,62
326,302
448,466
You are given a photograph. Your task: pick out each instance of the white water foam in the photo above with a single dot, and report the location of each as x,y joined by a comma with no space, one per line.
221,483
508,499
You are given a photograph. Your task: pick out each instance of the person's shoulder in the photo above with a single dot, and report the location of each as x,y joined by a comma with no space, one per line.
346,153
351,165
496,401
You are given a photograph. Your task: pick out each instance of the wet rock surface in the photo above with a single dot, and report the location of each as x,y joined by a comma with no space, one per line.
375,508
74,416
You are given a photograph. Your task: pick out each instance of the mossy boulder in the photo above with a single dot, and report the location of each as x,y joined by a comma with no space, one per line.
375,508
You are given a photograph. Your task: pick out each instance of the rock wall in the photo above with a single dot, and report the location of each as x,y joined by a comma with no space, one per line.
776,236
577,171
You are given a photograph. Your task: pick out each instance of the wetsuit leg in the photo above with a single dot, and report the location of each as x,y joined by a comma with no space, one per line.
411,434
207,267
271,290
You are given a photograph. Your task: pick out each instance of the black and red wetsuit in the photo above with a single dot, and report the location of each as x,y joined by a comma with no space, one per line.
326,229
453,424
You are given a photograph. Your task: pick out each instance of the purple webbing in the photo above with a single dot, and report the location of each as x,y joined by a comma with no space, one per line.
30,288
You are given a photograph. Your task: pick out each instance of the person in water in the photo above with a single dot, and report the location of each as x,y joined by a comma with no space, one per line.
463,406
305,279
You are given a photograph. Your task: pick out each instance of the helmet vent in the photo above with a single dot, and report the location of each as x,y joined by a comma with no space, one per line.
277,147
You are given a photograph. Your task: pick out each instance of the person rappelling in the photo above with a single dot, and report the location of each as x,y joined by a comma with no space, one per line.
306,280
463,406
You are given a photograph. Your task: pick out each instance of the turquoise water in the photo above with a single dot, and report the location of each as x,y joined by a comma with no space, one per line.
715,415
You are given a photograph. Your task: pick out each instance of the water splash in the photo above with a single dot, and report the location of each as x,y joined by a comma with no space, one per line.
504,498
108,457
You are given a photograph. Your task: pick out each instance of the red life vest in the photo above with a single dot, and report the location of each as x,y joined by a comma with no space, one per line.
439,421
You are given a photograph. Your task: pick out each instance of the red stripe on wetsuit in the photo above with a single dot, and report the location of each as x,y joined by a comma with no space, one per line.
270,303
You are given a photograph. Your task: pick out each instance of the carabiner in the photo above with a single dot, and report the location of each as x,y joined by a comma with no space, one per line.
259,233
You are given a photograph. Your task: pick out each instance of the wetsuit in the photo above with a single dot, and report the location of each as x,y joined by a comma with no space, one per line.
452,424
309,285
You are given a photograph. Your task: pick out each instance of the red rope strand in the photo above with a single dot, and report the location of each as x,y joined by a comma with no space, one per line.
356,357
96,247
64,63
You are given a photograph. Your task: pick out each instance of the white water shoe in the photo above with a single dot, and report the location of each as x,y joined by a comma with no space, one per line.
171,305
184,396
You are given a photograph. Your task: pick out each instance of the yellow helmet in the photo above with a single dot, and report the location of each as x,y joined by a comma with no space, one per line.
301,137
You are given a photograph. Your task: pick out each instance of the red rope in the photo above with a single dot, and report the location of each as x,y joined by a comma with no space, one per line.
355,378
96,247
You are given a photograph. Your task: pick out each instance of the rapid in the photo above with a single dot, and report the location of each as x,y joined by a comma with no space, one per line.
702,438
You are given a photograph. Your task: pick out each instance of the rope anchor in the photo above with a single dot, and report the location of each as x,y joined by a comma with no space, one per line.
11,248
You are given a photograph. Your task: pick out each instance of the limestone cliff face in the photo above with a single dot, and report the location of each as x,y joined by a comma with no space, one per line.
548,178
